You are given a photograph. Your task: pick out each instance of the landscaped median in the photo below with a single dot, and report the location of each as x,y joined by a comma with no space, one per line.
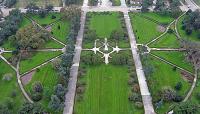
107,88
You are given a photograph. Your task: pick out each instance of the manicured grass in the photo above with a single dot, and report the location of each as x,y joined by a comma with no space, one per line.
104,24
145,30
162,77
61,34
7,55
167,41
160,18
7,45
177,58
25,22
106,91
48,77
7,87
36,59
192,37
47,19
53,44
40,3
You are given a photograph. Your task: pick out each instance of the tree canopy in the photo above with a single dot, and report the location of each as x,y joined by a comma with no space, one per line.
31,37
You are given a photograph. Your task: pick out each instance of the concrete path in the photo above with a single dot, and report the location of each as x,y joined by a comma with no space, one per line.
192,5
104,3
167,49
4,59
123,3
192,87
70,95
20,84
146,96
157,38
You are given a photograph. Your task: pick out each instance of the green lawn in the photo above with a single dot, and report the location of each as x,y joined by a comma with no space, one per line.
53,44
106,92
46,20
192,37
104,24
61,34
145,30
7,45
162,77
36,59
160,18
25,22
8,87
167,41
48,77
176,58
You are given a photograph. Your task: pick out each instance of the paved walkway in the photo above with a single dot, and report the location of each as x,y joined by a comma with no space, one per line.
69,97
192,87
146,96
20,84
167,49
157,38
192,5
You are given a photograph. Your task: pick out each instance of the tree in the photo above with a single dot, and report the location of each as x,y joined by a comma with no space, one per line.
178,86
37,87
49,7
31,108
10,3
168,94
91,35
187,107
191,22
55,104
60,91
10,25
192,52
117,35
71,2
4,109
71,12
31,37
146,4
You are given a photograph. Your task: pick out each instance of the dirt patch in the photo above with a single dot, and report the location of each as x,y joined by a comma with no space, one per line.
27,78
186,76
161,28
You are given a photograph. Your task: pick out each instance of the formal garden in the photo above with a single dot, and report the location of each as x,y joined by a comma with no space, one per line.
36,59
169,74
112,87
